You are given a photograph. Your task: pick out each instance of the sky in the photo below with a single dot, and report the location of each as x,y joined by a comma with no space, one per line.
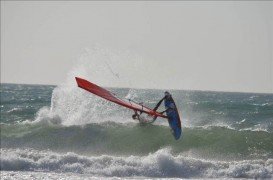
200,45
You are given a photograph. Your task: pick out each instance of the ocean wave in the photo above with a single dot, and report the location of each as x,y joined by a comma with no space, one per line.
15,110
44,117
257,128
159,164
130,138
237,126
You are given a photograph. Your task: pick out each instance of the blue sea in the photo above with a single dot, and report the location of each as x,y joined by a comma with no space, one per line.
64,132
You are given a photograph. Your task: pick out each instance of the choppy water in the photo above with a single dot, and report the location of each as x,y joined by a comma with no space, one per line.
66,132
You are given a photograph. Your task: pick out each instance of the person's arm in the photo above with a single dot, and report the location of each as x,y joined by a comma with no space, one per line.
158,104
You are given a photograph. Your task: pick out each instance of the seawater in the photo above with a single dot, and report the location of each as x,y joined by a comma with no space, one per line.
66,132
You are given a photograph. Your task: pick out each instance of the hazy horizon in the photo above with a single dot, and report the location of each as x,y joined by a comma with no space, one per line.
214,46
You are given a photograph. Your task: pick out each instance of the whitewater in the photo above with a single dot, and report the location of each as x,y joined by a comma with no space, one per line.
65,132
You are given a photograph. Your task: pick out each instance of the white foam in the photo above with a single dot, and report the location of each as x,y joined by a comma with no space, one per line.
159,164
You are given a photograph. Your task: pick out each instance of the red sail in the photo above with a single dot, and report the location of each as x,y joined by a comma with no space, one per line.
101,92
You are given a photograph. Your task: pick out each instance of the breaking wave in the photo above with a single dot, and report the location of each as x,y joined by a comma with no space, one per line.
159,164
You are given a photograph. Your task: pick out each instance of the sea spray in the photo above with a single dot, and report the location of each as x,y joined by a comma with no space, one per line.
76,107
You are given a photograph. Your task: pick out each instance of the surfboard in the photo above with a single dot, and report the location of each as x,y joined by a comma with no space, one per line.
103,93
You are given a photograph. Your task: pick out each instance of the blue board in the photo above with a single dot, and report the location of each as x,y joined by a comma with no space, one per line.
173,117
